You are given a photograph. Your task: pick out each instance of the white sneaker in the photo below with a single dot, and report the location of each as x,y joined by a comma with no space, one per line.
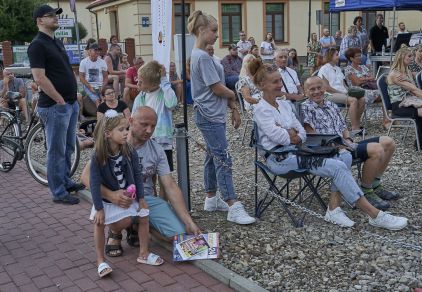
215,204
237,214
388,221
338,217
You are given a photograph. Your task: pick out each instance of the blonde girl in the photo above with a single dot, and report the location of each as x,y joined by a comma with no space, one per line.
211,98
115,165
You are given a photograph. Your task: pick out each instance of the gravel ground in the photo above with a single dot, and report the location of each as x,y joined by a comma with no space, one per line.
319,256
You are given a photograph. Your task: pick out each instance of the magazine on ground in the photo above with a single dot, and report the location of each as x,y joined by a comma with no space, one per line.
196,247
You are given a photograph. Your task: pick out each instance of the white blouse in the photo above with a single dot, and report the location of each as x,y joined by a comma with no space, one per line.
273,124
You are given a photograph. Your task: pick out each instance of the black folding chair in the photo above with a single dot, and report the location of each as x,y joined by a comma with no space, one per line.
284,193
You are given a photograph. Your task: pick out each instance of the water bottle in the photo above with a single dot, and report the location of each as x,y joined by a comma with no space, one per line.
383,50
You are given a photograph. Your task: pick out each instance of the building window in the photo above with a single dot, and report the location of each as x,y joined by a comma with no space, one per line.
274,21
334,24
178,18
231,15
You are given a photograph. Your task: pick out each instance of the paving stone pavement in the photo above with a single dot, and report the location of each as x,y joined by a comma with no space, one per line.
50,247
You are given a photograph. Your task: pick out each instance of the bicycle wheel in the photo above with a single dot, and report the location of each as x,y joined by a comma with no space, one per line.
9,152
7,128
36,154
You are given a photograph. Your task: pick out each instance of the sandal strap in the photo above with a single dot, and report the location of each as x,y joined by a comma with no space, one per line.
114,235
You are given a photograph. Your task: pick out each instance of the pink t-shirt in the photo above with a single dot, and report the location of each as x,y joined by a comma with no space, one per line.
132,73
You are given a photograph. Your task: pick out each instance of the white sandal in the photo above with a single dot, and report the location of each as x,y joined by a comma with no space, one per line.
152,259
104,269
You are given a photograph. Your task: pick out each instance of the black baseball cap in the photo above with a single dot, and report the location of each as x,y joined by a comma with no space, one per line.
45,9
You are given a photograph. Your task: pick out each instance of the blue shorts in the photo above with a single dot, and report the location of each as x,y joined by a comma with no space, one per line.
361,151
163,218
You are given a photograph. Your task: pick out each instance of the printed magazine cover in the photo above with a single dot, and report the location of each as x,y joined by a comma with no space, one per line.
191,247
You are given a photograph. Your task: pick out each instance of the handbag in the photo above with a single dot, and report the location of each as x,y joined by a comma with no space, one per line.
356,92
313,156
371,85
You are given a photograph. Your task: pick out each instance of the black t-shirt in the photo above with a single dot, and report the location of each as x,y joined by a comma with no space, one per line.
121,106
47,53
379,37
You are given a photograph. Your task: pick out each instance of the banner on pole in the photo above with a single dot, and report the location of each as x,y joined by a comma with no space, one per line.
161,15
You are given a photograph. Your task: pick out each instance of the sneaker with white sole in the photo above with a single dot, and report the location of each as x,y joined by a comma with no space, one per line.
388,221
237,214
215,204
338,216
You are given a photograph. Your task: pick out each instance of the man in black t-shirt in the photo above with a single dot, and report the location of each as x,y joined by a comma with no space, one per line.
378,35
57,104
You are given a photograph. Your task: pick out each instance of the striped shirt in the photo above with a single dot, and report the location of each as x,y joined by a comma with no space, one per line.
118,170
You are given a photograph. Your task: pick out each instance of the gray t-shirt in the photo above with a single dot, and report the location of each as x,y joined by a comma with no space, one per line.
153,161
204,72
15,85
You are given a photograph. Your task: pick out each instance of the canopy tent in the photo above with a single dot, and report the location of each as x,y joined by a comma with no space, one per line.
378,5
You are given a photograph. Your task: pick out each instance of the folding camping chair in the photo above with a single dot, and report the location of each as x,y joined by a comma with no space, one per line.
419,80
283,192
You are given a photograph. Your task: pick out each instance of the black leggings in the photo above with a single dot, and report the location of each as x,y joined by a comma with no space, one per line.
408,112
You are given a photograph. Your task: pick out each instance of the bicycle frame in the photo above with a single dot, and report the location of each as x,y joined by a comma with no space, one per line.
17,120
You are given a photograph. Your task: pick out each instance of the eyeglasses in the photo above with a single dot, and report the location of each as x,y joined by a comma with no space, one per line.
109,93
50,15
243,35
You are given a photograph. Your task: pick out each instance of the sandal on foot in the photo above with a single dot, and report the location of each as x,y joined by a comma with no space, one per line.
152,259
104,269
113,250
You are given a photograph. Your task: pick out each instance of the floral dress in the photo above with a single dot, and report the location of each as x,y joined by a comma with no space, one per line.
370,95
254,91
315,48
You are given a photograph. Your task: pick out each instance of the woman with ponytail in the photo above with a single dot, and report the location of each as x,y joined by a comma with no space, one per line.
211,98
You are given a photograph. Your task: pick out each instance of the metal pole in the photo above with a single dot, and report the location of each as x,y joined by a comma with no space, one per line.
309,21
182,162
185,111
77,34
392,37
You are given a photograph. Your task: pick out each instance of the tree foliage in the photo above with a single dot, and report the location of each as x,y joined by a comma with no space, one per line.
82,32
16,22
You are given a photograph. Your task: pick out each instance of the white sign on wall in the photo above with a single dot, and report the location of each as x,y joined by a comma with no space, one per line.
161,16
66,22
63,33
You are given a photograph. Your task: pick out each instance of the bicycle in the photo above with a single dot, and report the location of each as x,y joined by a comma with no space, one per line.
30,144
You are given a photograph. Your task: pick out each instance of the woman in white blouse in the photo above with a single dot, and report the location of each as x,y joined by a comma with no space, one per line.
278,126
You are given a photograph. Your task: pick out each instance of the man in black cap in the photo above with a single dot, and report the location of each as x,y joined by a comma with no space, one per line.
57,104
232,64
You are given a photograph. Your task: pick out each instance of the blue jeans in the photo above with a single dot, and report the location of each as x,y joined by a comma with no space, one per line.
231,81
332,168
214,171
60,131
94,96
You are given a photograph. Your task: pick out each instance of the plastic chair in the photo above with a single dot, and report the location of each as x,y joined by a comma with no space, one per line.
410,122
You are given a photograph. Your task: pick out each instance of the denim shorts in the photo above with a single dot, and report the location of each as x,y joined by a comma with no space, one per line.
163,218
361,151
